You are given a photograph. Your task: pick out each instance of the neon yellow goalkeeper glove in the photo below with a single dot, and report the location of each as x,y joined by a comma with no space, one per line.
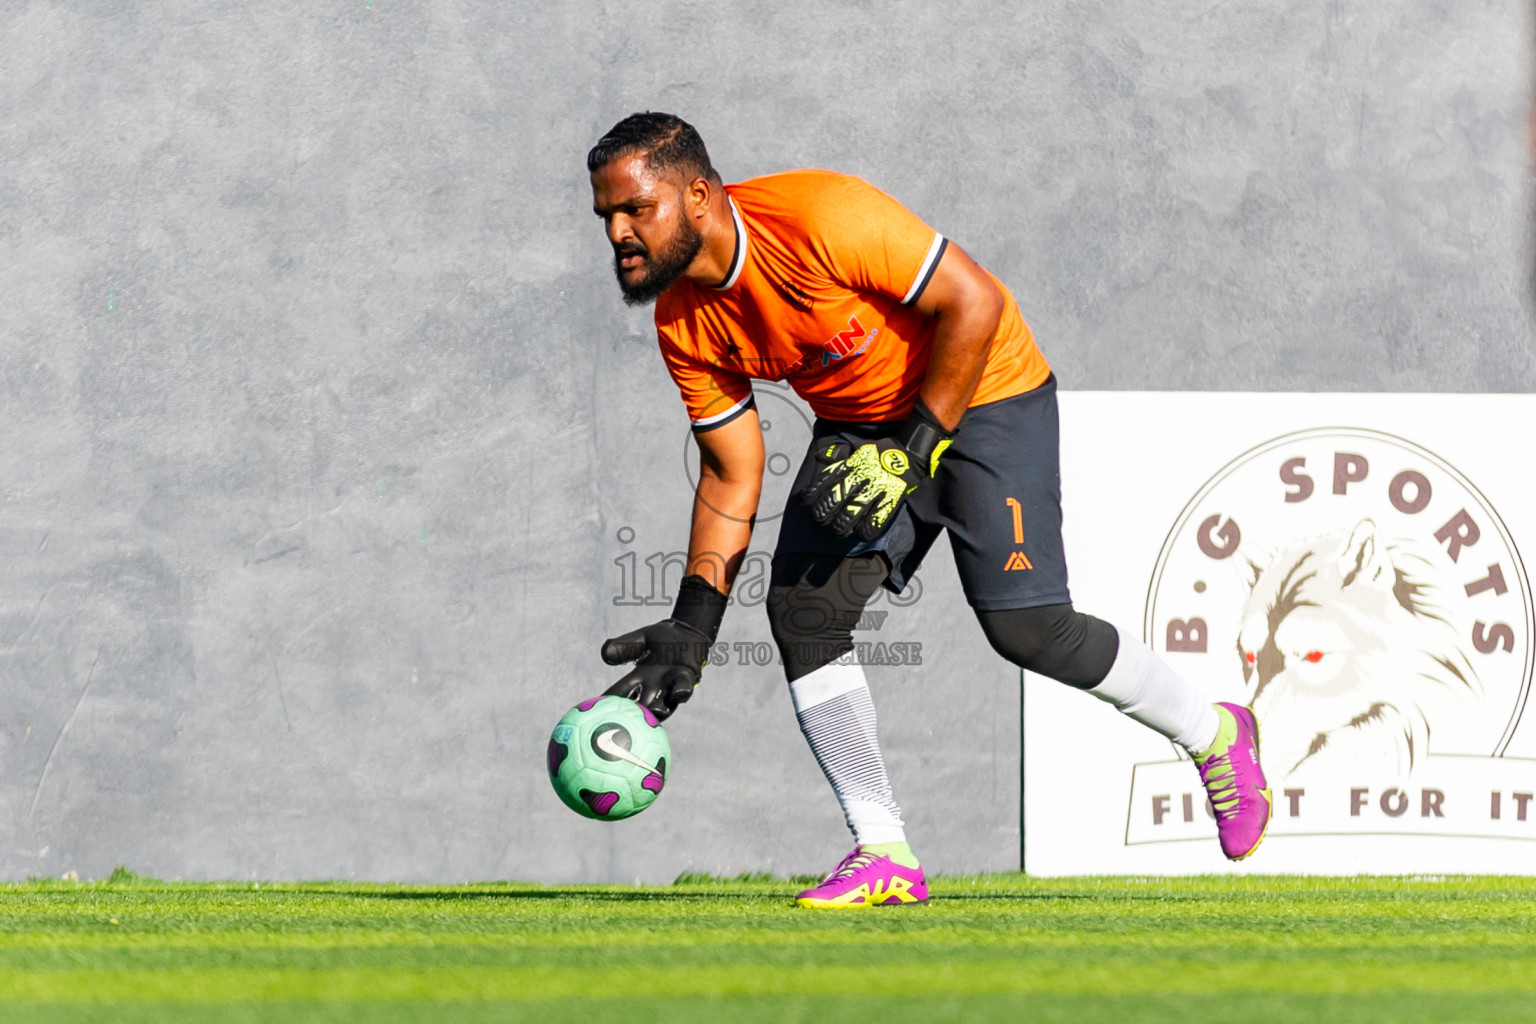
859,488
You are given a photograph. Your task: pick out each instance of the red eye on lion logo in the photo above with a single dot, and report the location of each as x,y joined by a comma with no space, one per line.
1360,594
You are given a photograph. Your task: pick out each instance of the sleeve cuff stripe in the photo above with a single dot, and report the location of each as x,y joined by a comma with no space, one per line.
721,419
925,272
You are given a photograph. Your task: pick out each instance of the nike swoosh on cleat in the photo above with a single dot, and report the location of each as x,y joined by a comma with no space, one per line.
603,741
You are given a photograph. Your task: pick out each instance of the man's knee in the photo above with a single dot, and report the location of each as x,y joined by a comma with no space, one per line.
1054,641
814,601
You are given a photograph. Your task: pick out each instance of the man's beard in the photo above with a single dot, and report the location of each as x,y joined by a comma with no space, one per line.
661,268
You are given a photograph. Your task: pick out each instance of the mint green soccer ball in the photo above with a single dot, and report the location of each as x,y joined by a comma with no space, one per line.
608,758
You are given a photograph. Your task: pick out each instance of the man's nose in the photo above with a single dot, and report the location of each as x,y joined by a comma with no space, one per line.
619,229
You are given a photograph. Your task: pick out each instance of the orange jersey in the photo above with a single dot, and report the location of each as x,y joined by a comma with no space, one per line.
821,293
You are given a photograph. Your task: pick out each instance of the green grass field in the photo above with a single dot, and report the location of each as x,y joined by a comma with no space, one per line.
1000,947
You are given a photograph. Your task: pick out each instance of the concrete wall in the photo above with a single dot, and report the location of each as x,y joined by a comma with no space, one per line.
325,426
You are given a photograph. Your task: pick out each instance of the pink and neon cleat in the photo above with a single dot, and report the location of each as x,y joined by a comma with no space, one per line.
867,880
1235,782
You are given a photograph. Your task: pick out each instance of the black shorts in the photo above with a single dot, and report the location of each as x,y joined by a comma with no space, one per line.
998,495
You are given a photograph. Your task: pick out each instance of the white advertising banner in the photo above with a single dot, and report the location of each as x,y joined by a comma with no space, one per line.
1347,565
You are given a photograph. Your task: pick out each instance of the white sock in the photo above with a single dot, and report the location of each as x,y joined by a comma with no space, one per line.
1142,686
837,717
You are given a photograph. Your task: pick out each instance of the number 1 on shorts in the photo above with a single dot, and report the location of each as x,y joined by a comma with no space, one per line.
1018,520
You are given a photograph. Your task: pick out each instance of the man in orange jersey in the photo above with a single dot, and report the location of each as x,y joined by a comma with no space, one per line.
935,411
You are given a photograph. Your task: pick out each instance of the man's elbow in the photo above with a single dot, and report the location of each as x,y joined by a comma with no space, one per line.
986,302
742,473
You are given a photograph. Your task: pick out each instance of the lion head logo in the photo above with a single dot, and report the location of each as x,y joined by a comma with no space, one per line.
1347,650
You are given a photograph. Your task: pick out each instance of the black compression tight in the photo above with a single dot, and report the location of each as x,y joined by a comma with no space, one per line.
814,601
1054,641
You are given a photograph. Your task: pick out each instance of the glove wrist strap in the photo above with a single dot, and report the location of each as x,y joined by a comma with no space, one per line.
924,436
699,605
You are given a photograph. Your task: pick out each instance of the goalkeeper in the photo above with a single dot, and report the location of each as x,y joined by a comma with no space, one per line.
935,411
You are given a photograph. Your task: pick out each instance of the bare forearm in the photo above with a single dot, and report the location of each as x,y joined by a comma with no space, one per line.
956,361
723,511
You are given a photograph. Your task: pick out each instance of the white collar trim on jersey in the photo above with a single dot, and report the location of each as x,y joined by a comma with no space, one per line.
739,258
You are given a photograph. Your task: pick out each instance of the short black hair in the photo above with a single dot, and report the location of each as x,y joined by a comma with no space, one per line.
665,140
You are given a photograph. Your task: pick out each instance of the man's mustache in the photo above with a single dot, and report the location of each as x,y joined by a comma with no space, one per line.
620,251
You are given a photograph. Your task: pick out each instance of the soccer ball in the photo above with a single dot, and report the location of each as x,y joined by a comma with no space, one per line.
608,758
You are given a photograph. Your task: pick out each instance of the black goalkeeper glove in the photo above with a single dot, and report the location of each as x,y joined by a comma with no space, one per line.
669,655
859,488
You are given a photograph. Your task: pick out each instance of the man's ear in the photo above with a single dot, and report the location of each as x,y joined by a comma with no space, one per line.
696,197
